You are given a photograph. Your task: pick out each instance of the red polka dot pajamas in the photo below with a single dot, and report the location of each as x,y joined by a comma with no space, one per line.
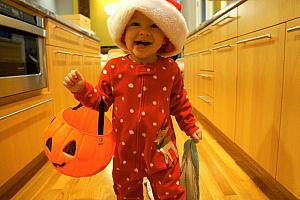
144,96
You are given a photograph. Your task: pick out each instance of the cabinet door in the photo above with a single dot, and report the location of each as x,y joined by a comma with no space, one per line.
288,167
187,67
91,68
258,14
193,80
291,9
225,27
225,65
61,36
259,93
59,65
22,133
204,52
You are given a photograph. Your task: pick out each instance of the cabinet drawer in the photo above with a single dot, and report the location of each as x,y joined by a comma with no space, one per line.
258,14
91,68
205,83
204,39
204,105
91,46
190,44
204,60
61,36
21,127
291,9
225,27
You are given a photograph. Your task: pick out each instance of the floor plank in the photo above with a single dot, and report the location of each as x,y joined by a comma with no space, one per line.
220,178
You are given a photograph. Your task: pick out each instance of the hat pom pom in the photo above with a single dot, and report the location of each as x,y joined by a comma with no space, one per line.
176,4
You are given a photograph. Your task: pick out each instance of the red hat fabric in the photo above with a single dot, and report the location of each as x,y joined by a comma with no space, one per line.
164,13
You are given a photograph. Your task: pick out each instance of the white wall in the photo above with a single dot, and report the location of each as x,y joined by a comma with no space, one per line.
64,7
48,4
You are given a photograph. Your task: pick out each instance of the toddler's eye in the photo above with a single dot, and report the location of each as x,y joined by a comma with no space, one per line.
135,24
154,26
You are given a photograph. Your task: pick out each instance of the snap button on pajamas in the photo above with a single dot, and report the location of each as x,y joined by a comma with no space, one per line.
144,96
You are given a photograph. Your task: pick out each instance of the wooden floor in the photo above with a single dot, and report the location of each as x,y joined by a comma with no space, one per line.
220,178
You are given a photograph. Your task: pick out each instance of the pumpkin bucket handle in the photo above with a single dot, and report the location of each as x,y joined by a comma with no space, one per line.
101,116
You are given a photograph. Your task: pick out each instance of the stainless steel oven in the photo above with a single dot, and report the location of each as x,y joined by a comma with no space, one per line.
22,51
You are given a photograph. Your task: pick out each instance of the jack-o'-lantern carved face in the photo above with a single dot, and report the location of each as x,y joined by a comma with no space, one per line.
73,146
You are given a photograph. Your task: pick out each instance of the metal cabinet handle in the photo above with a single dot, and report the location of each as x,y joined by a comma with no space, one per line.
203,99
77,54
227,17
77,34
223,46
296,28
204,32
63,52
204,51
205,75
255,38
91,56
24,109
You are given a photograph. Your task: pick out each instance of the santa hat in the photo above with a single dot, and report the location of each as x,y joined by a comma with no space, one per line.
164,13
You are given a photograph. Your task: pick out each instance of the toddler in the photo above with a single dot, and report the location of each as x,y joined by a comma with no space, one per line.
145,88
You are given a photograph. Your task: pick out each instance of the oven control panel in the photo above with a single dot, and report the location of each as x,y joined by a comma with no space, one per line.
10,11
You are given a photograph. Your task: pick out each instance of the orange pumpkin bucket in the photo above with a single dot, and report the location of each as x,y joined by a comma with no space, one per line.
76,144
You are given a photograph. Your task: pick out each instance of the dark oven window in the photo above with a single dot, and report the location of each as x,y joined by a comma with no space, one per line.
18,53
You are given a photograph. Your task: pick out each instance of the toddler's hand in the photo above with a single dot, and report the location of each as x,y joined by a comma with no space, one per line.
197,135
74,81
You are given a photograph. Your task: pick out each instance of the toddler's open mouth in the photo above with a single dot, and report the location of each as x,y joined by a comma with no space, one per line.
142,43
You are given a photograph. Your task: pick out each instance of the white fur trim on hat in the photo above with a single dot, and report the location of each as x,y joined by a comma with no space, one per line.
164,14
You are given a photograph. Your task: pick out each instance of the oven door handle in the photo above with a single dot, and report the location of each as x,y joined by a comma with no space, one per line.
20,25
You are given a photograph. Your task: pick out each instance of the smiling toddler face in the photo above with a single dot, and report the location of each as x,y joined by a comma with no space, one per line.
143,38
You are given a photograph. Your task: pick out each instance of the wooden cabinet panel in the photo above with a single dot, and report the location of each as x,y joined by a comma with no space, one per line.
205,105
187,74
258,14
193,79
204,39
288,166
205,83
225,27
21,134
190,45
91,46
259,93
205,60
59,65
291,9
91,68
225,65
61,36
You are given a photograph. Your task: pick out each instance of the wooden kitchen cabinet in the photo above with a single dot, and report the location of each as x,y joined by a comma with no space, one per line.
259,93
62,36
21,134
204,52
190,77
91,68
225,65
258,14
68,50
60,62
291,9
288,166
198,61
225,27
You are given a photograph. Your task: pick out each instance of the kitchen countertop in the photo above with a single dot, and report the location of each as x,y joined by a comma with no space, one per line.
31,4
217,15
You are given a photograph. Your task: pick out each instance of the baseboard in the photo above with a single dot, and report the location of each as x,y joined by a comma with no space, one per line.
14,184
268,185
